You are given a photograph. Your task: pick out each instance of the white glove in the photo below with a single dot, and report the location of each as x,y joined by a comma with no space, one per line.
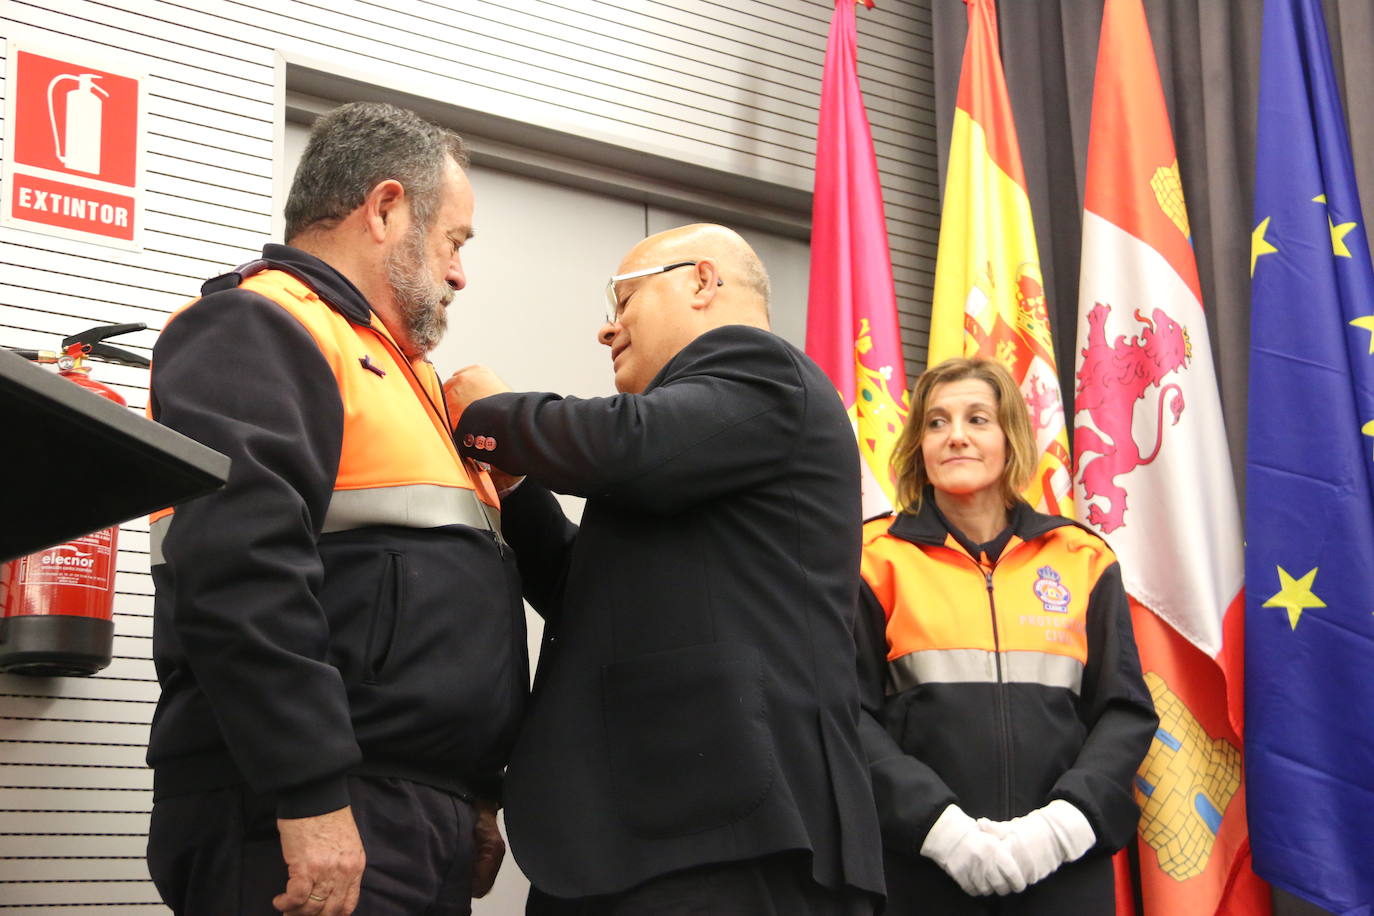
980,862
1044,839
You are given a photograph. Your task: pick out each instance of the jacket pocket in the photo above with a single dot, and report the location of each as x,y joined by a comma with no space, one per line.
381,630
688,738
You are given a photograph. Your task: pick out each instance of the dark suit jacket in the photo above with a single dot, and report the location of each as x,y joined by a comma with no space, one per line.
696,700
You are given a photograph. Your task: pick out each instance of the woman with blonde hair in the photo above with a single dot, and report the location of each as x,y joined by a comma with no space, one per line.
1004,709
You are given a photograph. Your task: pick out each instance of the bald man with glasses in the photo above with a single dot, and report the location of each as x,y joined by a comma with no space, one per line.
692,743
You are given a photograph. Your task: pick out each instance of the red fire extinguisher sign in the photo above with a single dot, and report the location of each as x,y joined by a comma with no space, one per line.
74,143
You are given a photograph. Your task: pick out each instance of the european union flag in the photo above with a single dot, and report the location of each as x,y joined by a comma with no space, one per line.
1309,526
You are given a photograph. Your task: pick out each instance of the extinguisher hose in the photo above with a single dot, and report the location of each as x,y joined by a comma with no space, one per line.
31,355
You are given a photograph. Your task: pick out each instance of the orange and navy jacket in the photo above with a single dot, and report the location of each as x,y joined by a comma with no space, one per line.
345,604
999,685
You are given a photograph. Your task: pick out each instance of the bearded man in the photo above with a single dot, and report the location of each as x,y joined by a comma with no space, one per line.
338,633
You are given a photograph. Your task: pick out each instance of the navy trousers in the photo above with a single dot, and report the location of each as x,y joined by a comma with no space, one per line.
916,886
218,854
778,885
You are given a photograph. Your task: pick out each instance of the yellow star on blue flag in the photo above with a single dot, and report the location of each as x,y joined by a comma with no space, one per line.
1258,245
1366,322
1296,595
1338,234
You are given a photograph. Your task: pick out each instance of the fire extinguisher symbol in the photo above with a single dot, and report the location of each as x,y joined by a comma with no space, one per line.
77,145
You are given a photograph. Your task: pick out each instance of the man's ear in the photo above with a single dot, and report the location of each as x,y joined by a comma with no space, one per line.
708,282
383,207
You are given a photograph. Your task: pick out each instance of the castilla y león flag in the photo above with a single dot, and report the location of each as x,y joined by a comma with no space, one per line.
989,297
851,325
1153,475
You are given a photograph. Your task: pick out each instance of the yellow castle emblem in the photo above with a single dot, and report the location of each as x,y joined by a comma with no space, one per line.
1167,186
1184,786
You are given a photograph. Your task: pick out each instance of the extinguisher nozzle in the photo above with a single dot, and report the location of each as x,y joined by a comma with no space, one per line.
94,337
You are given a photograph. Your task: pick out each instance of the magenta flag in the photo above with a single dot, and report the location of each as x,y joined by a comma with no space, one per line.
851,325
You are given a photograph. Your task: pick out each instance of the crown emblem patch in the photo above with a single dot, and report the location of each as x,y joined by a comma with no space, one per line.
1050,591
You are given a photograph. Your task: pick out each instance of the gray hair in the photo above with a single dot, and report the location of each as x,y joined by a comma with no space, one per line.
755,277
356,147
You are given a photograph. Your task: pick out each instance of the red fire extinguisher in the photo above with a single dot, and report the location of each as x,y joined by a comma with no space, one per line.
59,603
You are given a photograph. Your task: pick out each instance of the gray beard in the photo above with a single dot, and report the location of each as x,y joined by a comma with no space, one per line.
420,301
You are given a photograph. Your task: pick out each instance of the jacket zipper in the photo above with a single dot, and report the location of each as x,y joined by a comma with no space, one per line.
441,412
1003,713
404,361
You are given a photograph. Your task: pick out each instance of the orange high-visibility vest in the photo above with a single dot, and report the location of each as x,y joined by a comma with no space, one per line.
397,462
951,619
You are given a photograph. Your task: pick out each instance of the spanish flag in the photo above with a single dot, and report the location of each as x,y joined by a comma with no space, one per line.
989,296
851,323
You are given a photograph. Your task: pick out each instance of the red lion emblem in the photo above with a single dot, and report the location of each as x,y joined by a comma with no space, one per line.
1043,403
1110,381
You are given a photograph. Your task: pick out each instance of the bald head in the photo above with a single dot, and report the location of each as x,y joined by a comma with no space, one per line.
739,269
695,279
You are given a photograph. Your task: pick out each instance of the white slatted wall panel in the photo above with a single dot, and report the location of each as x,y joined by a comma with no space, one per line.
731,85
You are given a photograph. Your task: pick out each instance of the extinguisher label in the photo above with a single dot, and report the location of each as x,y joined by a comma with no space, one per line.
74,141
87,562
58,203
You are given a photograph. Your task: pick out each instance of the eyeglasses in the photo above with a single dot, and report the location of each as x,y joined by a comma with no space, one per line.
613,301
